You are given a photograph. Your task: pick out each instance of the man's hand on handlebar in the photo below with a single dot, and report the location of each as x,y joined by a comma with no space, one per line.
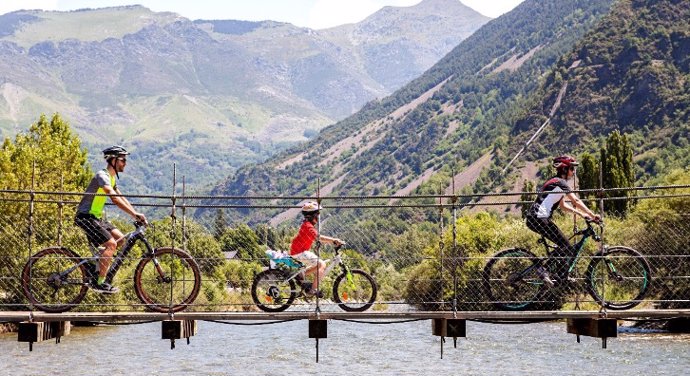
139,217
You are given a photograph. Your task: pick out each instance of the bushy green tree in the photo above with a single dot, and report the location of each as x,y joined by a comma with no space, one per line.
48,157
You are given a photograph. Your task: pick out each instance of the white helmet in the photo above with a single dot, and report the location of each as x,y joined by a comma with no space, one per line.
310,207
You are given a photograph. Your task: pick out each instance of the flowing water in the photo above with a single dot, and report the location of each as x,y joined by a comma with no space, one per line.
350,349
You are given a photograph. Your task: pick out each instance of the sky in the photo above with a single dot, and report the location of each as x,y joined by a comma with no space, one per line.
315,14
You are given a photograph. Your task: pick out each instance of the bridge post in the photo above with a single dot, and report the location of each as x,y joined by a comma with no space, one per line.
178,329
449,328
38,331
593,327
318,329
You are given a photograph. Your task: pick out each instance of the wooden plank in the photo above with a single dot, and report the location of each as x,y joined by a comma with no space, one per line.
335,315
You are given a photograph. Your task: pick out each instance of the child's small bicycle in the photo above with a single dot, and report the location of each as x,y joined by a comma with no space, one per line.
276,288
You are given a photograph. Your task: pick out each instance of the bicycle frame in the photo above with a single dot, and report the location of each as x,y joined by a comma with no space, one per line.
586,233
131,239
579,246
330,264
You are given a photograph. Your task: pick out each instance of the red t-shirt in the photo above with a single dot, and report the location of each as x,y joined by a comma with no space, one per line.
304,239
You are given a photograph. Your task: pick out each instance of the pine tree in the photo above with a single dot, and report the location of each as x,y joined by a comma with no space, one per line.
527,198
588,174
617,167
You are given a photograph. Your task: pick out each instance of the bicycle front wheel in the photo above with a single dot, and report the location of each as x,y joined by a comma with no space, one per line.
53,280
272,292
618,278
169,280
354,291
511,281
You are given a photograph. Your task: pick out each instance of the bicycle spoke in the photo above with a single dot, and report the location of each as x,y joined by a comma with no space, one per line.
271,292
354,291
45,284
620,279
169,280
511,280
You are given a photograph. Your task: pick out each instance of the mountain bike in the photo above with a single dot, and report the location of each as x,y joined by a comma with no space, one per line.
617,277
276,288
166,279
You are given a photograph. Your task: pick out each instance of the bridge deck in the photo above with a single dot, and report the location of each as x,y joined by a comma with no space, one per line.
18,316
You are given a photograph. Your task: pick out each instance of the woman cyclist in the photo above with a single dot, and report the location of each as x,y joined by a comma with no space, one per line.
557,193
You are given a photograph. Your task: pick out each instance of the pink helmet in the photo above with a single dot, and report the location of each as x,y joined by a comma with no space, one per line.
563,162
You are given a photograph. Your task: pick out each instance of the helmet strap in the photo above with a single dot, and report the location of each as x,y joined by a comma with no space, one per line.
111,164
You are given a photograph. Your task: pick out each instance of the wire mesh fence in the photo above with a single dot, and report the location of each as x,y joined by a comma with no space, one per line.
414,253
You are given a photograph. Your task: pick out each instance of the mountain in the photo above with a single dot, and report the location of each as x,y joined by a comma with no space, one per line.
210,95
456,117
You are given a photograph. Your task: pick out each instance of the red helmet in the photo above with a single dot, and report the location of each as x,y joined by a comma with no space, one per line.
563,162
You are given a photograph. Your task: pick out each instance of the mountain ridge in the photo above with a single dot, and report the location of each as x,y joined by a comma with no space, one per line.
245,95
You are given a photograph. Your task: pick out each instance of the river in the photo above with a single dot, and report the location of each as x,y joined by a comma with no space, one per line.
350,349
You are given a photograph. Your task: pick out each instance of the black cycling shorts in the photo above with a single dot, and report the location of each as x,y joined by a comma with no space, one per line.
97,230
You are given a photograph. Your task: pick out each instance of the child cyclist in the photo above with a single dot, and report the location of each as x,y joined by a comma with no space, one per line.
301,245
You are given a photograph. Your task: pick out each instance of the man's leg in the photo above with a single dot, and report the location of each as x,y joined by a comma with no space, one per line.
107,255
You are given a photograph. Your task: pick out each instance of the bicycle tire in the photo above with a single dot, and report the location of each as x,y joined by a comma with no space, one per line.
174,291
627,287
517,295
355,294
42,286
271,292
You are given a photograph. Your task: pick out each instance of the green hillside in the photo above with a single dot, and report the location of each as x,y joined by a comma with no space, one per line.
632,74
458,111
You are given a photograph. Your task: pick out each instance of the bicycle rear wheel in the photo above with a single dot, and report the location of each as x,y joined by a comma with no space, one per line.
511,281
48,282
169,280
618,278
271,292
354,291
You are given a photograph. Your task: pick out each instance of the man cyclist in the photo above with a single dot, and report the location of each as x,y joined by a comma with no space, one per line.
100,232
557,193
301,245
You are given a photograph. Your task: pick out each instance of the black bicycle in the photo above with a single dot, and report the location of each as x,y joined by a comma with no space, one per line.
275,288
617,277
166,279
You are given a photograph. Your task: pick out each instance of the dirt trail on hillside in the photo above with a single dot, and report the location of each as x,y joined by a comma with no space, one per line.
515,61
292,213
469,175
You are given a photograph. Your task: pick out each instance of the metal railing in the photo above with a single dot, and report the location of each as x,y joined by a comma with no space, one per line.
426,253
